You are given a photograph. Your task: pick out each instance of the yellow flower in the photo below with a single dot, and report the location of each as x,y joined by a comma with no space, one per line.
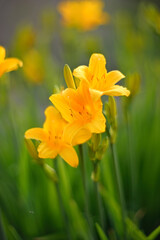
83,15
99,80
80,108
8,64
57,137
33,66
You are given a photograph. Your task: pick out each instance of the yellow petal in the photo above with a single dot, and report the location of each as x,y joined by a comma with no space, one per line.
97,65
53,119
45,151
36,133
75,134
95,94
117,90
70,131
2,54
81,73
9,64
61,104
113,77
69,155
82,136
84,91
98,124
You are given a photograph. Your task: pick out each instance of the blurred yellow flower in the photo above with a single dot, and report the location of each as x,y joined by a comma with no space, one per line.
8,64
83,14
33,66
152,15
80,108
101,82
57,137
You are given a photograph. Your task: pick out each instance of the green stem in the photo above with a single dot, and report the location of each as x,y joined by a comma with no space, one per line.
100,208
83,172
119,186
95,178
131,161
61,205
2,234
63,212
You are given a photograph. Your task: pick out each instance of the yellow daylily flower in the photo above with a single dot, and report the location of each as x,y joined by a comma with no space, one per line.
8,64
80,108
83,15
57,137
34,66
100,81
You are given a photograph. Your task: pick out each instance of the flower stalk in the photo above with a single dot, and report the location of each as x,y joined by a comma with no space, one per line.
111,129
97,149
83,173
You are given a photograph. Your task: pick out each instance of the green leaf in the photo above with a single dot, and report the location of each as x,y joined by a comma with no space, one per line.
113,209
2,230
133,232
56,236
101,233
80,225
154,234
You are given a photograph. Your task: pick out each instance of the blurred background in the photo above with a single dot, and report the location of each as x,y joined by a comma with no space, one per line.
32,30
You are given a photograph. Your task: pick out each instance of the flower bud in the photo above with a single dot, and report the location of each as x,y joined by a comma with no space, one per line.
50,172
69,77
31,149
96,139
134,83
102,148
96,173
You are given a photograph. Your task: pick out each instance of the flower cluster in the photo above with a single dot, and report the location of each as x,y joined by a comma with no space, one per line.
83,15
8,64
77,113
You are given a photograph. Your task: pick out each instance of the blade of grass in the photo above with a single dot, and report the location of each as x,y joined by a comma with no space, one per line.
101,233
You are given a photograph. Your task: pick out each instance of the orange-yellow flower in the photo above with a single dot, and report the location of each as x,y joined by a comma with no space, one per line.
33,66
8,64
80,108
101,81
83,15
57,137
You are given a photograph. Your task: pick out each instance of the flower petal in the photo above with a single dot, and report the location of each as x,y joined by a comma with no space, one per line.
95,94
54,121
10,64
70,131
45,151
81,73
60,102
98,124
83,135
75,134
2,54
113,77
36,133
97,65
69,155
117,90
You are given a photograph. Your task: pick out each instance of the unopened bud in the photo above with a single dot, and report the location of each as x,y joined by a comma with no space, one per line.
31,149
113,109
50,172
133,83
111,112
102,148
113,134
96,139
69,77
95,173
